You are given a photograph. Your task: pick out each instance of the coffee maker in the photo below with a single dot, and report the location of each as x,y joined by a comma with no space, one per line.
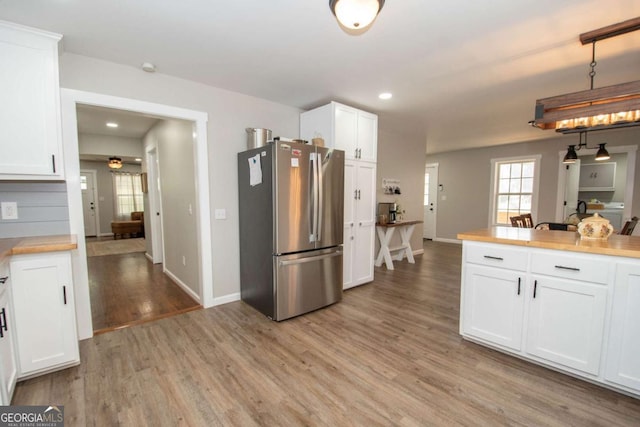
388,211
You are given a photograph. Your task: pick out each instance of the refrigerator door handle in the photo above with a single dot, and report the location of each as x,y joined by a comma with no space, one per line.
313,209
309,259
320,195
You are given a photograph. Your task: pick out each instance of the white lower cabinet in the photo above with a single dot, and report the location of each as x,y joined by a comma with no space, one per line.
494,305
623,353
44,312
566,322
8,364
574,312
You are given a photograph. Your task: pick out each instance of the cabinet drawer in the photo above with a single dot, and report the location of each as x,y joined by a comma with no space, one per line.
494,255
576,266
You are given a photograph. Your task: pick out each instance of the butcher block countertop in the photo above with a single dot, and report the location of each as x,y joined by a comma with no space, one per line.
37,244
626,246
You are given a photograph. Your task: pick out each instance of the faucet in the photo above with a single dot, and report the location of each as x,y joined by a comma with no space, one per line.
583,204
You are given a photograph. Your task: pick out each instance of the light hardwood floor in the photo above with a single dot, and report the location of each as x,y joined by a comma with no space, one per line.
388,355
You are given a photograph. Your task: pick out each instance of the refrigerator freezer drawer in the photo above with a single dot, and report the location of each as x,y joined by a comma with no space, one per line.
308,281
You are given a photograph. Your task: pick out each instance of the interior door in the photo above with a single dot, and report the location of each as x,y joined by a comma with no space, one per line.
155,203
430,201
571,188
89,207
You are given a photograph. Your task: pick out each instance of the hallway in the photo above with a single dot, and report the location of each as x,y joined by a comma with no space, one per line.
127,289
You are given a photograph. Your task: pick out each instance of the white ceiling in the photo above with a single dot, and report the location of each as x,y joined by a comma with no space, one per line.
464,73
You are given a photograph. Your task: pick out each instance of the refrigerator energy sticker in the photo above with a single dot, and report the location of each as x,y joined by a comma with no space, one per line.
294,162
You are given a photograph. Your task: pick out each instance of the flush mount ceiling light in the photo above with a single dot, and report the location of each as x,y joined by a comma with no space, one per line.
594,109
572,155
385,95
114,163
112,125
356,14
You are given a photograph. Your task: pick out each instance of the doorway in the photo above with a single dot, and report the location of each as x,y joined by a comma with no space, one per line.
90,213
70,99
430,201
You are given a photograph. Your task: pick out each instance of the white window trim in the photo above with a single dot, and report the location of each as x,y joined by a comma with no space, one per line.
493,185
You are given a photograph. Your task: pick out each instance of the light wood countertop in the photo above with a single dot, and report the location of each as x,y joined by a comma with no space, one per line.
37,244
626,246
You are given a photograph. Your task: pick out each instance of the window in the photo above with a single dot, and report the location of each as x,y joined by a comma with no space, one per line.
127,193
514,188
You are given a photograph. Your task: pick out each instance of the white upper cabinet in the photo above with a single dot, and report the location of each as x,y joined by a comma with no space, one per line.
31,137
344,128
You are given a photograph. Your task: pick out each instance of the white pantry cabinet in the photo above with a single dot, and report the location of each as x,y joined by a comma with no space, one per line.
343,128
8,368
359,222
623,361
44,311
31,137
356,132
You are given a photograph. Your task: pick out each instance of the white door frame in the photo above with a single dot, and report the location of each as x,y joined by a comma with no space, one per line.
433,184
155,205
69,98
96,209
631,173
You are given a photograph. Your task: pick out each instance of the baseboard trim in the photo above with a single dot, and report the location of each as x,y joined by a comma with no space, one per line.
418,252
225,299
149,257
183,285
439,239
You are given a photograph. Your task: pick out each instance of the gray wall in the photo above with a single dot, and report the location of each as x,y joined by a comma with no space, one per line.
401,157
620,159
105,191
107,145
43,209
465,175
174,142
229,114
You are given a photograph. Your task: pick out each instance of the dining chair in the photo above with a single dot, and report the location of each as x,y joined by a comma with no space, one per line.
629,226
522,221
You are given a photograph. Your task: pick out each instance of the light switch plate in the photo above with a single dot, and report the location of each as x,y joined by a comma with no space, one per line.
9,210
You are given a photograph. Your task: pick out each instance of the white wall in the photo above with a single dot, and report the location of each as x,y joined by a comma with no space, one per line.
229,114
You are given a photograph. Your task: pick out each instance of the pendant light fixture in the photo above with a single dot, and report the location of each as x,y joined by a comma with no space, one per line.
572,154
356,14
114,163
594,109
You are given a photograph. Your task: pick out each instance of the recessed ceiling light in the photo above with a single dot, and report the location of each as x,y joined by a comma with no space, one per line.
138,159
112,125
385,95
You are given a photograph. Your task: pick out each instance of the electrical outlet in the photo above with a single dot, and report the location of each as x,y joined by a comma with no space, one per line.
9,210
220,214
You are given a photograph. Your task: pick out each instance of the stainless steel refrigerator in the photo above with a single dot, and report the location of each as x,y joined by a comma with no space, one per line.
291,199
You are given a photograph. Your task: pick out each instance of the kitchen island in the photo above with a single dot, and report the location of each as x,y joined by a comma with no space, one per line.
557,300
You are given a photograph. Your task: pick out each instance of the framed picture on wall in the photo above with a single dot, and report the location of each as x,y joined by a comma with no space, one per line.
143,179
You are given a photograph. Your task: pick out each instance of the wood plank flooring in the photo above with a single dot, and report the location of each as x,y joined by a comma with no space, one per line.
127,289
389,354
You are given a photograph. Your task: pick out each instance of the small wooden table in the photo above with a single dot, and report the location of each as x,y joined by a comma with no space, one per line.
385,233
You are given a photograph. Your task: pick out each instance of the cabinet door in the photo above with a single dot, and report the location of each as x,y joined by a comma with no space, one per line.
363,253
566,322
44,311
623,353
9,370
366,198
348,256
346,130
493,305
29,112
367,136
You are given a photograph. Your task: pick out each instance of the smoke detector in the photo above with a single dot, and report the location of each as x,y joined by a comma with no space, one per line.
148,67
